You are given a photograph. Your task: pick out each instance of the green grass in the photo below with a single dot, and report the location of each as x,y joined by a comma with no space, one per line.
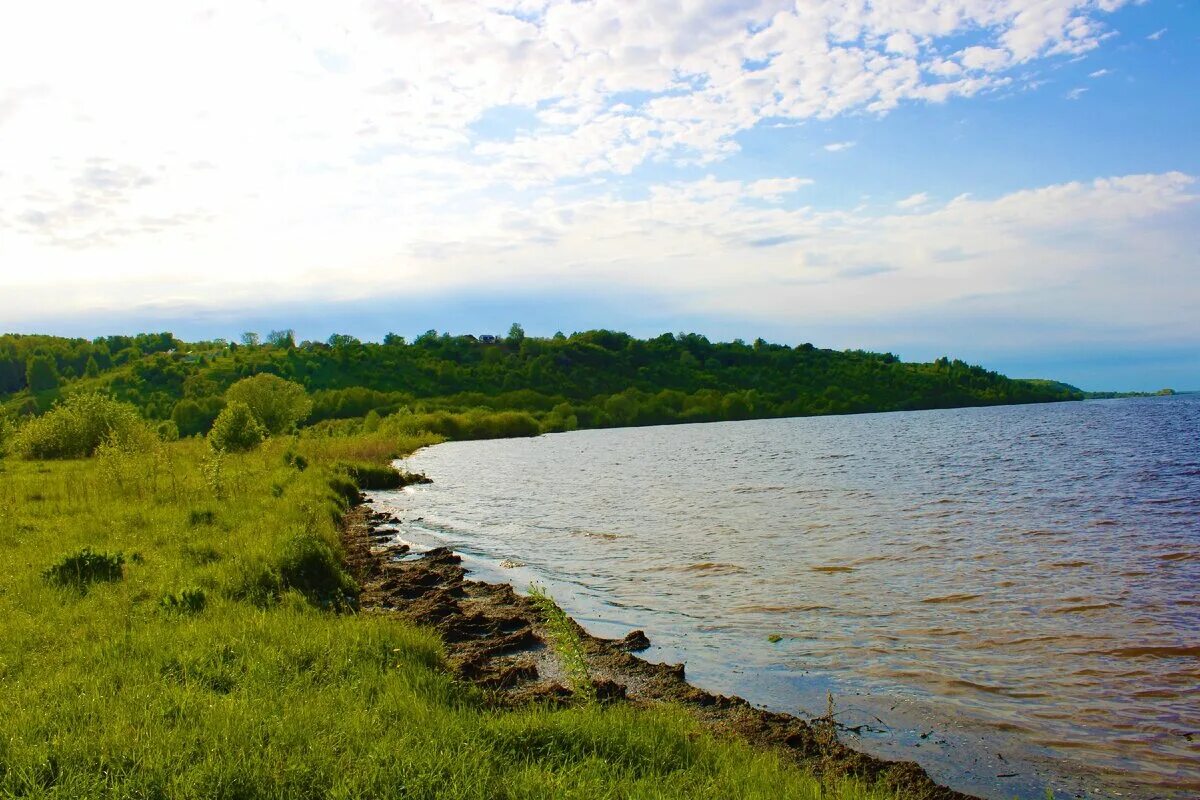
221,663
566,643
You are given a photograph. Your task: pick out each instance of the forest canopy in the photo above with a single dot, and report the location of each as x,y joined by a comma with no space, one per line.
597,378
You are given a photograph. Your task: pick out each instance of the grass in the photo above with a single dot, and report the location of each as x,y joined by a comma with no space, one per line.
566,643
227,661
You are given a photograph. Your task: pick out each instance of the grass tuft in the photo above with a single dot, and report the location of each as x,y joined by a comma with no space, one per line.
84,567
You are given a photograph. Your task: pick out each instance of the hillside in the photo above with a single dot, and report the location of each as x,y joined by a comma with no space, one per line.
591,379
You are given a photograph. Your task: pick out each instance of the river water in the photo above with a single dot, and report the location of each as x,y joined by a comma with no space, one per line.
1009,596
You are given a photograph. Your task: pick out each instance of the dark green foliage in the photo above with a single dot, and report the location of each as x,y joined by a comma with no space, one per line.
236,430
41,373
188,601
167,430
285,338
310,566
85,567
193,417
373,476
345,489
591,379
257,583
201,516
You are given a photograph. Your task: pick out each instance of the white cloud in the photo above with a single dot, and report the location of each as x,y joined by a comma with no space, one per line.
773,189
912,201
1076,93
903,43
256,145
1158,34
1104,249
985,59
1100,73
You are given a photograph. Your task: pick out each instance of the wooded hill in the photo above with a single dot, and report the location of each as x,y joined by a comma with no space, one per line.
596,378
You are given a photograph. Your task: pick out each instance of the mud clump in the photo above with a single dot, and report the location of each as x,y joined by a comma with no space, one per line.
497,640
634,642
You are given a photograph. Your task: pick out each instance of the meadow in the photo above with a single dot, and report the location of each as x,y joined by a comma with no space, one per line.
177,622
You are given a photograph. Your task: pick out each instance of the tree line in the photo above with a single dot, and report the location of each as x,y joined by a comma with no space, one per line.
596,378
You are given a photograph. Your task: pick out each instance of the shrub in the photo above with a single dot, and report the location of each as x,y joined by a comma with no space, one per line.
236,429
85,567
76,427
310,566
277,403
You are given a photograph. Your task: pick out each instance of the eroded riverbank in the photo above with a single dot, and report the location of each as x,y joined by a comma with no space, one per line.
497,639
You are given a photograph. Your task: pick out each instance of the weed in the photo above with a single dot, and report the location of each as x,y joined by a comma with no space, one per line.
566,643
213,470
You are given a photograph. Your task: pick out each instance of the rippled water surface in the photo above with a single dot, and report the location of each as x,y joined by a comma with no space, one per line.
1010,596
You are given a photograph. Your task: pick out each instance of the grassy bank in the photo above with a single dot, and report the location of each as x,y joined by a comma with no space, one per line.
179,625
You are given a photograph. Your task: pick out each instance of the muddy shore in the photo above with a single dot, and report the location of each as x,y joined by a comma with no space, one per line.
497,640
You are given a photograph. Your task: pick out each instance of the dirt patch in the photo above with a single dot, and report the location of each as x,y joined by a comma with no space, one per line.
497,639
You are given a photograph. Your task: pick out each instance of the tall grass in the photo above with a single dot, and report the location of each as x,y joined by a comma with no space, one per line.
217,666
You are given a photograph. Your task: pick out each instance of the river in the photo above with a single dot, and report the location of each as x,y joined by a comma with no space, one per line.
1009,596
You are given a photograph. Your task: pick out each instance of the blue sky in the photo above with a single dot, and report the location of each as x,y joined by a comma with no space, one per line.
1012,182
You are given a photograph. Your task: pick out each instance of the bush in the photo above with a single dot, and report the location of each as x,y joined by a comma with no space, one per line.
236,430
76,427
85,567
277,403
310,566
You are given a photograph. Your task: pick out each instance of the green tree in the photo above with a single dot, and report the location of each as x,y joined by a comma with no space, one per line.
516,334
277,403
250,339
285,339
92,370
41,373
189,417
236,429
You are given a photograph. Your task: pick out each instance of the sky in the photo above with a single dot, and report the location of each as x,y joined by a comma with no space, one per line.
1010,182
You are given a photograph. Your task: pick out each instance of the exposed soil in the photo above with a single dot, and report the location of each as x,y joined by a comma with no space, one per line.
496,639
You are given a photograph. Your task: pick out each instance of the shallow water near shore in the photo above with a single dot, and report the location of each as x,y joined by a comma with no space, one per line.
1008,596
